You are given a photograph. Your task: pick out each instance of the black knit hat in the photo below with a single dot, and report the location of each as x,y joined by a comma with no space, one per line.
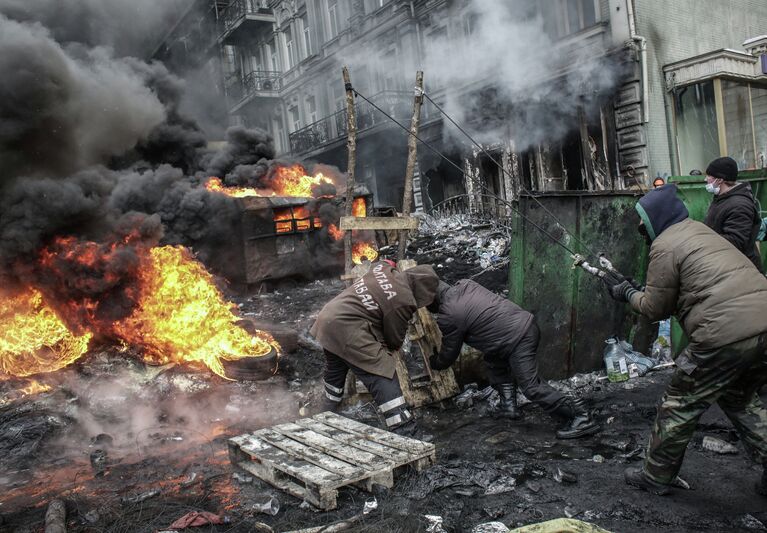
724,168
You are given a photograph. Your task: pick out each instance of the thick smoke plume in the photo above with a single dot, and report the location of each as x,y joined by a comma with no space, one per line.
505,77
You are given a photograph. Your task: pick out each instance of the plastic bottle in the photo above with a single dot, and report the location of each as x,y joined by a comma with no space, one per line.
661,348
615,361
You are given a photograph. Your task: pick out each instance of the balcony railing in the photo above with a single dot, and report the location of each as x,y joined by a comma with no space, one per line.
398,104
240,11
264,83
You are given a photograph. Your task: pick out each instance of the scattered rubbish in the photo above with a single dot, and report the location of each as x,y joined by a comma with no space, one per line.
190,479
308,506
638,362
99,460
620,445
471,395
562,476
92,516
242,479
560,525
196,519
661,348
140,497
680,483
56,517
534,487
490,527
715,445
502,436
267,505
102,439
492,478
370,505
751,522
501,486
598,459
435,524
610,420
615,361
571,512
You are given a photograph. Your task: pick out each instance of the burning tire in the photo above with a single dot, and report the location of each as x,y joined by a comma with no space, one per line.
252,368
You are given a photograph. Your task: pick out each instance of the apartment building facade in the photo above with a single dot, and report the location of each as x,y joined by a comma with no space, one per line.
280,65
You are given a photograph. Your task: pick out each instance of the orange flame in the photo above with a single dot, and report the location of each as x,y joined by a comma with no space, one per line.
34,338
34,387
183,317
362,250
291,181
359,207
216,185
335,233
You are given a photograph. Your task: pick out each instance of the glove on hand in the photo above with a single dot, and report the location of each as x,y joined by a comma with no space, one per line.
435,363
634,283
622,291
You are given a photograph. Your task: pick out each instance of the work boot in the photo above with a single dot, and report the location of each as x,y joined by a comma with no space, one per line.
412,430
636,477
761,487
580,422
507,406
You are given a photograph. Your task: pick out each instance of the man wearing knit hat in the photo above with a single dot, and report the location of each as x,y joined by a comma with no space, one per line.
721,303
733,213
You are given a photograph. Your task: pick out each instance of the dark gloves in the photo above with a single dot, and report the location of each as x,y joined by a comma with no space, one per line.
622,291
435,363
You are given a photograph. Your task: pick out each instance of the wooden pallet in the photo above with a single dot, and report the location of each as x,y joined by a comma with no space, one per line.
313,457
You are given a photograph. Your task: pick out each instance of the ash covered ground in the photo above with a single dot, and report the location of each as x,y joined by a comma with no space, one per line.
163,432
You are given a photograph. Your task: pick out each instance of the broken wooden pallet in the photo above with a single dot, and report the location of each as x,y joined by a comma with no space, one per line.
313,457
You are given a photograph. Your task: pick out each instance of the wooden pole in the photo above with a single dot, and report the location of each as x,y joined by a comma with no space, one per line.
351,146
412,160
56,517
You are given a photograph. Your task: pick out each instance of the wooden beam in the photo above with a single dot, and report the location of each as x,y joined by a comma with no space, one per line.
351,145
382,223
412,160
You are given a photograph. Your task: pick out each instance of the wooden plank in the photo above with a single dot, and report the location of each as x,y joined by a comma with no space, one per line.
324,499
311,455
354,439
361,458
382,223
265,453
415,447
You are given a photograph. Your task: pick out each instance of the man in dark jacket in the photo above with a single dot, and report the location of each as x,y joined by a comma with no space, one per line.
361,328
721,303
733,213
508,337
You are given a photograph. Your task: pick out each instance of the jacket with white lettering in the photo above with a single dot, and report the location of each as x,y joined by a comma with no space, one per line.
367,322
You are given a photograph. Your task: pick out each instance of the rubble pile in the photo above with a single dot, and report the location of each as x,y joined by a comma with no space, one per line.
463,246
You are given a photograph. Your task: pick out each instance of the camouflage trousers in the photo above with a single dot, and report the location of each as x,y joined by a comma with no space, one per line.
730,376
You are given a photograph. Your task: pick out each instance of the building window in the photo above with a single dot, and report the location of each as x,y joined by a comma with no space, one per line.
721,117
696,126
572,16
272,51
739,132
290,47
311,110
295,118
304,20
759,105
332,19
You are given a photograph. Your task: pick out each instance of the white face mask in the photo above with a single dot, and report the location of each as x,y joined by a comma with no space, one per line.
713,189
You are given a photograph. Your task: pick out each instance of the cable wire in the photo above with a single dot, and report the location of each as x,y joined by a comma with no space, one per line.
482,185
500,167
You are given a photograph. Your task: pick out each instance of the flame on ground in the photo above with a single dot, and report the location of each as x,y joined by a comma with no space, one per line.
34,339
364,250
183,317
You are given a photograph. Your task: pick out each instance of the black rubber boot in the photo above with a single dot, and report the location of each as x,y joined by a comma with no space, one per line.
580,422
636,477
507,406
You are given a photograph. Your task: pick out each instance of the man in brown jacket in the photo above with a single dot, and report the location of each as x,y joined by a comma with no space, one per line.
720,300
362,327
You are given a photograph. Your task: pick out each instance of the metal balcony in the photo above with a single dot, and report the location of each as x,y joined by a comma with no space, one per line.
242,19
333,127
257,84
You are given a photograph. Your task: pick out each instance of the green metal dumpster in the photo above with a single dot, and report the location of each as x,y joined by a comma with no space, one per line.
573,309
692,191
